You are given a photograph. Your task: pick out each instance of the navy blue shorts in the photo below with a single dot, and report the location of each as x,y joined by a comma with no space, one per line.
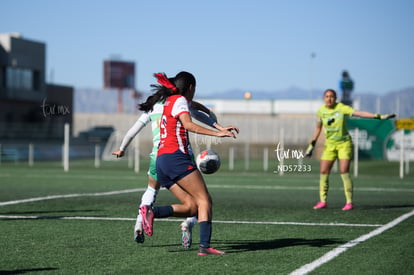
173,167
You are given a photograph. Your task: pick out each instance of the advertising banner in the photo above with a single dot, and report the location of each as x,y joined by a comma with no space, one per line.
398,139
374,135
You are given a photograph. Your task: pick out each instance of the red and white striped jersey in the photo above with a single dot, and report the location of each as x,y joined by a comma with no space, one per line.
173,134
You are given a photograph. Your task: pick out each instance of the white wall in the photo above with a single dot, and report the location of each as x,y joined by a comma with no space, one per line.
256,129
264,107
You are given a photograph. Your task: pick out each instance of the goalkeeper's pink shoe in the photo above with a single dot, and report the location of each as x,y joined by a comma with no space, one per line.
202,251
147,218
320,205
348,206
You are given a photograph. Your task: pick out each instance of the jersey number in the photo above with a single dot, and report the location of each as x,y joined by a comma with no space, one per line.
163,125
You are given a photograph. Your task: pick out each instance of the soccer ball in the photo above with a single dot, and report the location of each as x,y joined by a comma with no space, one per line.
208,162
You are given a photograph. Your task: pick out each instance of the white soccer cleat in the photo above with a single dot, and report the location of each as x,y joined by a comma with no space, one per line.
139,236
186,234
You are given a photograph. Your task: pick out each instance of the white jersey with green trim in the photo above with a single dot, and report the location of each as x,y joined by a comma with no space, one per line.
154,117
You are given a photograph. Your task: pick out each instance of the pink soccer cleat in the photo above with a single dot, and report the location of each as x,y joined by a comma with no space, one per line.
320,205
209,251
147,218
348,206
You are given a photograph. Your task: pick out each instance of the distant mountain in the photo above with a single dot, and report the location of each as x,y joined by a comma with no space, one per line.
400,102
290,93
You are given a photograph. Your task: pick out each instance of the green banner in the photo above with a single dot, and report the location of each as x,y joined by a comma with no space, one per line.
373,136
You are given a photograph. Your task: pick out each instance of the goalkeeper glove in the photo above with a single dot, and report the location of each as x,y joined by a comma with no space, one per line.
309,150
382,117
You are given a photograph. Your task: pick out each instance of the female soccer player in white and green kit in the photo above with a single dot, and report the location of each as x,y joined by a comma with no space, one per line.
338,144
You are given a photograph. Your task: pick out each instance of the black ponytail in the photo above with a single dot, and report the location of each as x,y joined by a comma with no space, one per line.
180,84
161,94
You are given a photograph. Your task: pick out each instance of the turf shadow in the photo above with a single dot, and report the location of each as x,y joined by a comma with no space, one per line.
22,271
254,245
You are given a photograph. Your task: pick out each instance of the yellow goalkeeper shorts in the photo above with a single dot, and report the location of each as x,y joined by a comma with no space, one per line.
340,150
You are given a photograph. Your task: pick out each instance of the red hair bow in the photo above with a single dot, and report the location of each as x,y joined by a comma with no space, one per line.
164,81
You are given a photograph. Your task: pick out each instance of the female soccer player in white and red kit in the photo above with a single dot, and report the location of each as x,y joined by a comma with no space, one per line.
176,169
152,114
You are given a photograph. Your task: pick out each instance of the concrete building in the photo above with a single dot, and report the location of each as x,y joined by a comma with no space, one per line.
29,107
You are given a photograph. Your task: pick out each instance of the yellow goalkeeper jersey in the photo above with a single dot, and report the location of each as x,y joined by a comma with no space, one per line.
334,123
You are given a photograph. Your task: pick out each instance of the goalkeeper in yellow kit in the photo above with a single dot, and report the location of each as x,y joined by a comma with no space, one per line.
338,144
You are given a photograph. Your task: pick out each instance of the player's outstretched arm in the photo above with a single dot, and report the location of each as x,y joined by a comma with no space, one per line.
201,113
192,127
365,114
132,132
228,128
384,116
118,153
198,106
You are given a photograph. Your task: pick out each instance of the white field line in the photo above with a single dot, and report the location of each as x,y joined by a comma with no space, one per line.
281,187
335,252
72,196
22,217
276,187
65,176
302,270
299,223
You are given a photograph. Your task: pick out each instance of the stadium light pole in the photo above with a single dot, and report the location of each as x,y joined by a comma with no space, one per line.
312,57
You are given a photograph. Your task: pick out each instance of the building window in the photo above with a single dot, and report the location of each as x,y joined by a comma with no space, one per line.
18,78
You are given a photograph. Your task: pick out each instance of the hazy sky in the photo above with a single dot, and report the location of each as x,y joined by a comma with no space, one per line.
260,45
